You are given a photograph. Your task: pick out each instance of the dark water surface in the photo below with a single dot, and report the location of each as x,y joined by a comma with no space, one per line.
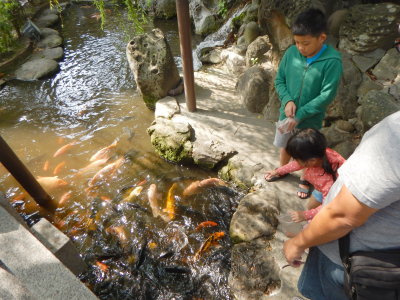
91,103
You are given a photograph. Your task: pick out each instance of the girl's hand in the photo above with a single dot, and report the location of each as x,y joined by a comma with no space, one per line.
270,174
297,216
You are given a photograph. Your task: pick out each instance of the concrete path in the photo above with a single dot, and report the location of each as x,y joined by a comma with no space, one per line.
222,118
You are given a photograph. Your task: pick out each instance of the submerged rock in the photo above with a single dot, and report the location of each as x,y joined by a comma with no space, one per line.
36,69
151,61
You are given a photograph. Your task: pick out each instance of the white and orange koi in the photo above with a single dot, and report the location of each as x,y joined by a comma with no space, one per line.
64,198
120,233
133,193
106,171
104,153
64,149
46,166
154,197
92,166
51,183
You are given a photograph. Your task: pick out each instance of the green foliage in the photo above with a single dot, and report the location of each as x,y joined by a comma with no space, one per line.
222,8
11,19
136,13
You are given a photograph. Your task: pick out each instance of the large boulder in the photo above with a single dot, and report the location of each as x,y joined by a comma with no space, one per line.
369,26
255,216
172,140
250,32
47,20
50,41
234,62
204,15
375,106
345,103
36,69
389,66
335,21
49,53
254,272
151,61
165,9
257,51
253,88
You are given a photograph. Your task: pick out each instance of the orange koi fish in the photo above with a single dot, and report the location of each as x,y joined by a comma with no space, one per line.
206,224
58,168
170,206
46,166
105,198
64,149
106,171
212,240
120,233
51,183
153,197
102,266
134,193
104,153
196,185
20,196
64,198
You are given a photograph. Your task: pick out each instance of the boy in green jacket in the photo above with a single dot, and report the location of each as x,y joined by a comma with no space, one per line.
307,80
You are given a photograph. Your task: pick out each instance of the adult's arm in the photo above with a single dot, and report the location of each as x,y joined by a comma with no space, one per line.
330,84
334,220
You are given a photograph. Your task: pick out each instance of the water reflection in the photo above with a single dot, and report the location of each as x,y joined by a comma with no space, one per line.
89,105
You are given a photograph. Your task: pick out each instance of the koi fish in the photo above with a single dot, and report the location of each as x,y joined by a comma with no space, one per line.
170,206
20,196
46,166
102,266
153,197
105,198
51,183
212,240
92,166
106,171
64,149
134,193
104,153
58,168
196,185
119,232
206,224
64,198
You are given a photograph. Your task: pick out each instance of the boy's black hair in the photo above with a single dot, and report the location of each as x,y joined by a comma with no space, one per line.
307,144
310,22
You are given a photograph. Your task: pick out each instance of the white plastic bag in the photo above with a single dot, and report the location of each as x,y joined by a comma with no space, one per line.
282,126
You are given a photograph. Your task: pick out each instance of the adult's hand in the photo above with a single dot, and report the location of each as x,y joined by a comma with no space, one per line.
290,109
293,253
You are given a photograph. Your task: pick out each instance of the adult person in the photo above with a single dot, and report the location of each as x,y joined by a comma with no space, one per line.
306,82
365,200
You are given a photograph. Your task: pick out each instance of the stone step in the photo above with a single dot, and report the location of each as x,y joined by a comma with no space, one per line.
33,265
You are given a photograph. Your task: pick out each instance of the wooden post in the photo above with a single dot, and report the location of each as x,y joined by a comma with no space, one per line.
185,38
17,169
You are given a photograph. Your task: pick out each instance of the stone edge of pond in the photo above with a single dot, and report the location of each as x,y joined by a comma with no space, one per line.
257,257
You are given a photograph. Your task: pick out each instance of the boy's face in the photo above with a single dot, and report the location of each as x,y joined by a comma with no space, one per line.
309,45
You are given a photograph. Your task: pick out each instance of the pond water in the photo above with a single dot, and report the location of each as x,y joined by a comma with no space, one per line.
91,104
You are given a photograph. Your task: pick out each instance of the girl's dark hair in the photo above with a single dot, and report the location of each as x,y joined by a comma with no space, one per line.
310,22
307,144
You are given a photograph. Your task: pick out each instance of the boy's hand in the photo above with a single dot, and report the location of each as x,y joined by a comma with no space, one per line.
291,124
290,109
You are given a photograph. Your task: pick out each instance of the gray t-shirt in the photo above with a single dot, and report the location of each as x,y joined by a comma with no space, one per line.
372,174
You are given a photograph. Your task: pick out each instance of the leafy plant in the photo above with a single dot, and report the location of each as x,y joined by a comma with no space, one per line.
11,19
222,8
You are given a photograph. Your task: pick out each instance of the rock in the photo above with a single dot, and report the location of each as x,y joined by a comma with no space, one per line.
172,140
375,106
48,20
165,9
335,20
257,50
367,60
204,17
388,68
211,55
345,148
50,11
254,272
166,108
367,85
345,126
334,136
45,32
207,153
345,102
153,66
49,53
251,32
253,88
368,27
36,69
234,62
271,110
50,41
394,89
255,216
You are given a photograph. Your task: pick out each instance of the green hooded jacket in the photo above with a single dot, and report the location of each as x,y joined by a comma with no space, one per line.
312,87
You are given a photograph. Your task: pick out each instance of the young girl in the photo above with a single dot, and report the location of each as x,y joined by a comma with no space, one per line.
320,164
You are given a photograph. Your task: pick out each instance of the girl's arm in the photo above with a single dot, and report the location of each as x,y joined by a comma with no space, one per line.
289,168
